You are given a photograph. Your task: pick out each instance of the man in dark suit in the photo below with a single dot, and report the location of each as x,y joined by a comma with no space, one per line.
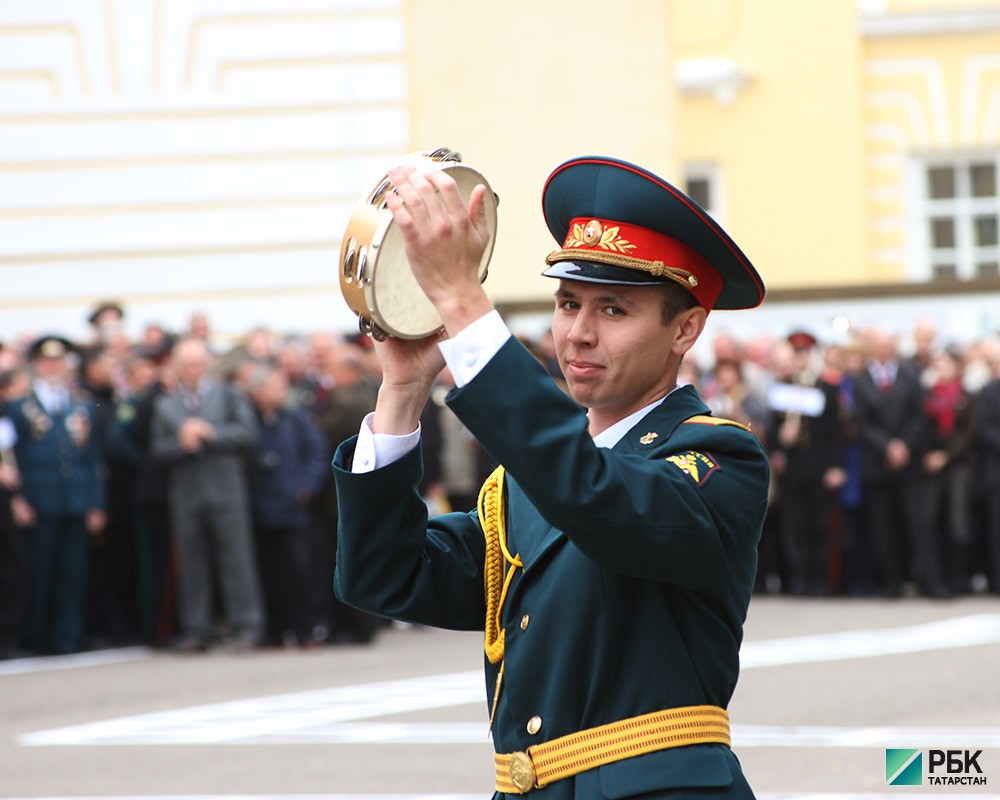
617,544
289,467
340,407
13,550
807,456
988,438
204,431
889,410
61,502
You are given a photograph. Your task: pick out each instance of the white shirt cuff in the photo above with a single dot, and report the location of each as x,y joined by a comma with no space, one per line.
471,348
375,450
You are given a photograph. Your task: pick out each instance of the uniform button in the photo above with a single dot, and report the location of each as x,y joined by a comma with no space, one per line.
524,622
534,725
469,359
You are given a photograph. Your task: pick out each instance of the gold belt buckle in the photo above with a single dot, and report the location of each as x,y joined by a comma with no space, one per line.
522,772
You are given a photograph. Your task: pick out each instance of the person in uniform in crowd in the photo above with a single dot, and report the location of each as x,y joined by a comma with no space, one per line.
617,543
108,334
204,432
949,467
61,503
288,470
106,321
807,458
889,409
339,411
987,413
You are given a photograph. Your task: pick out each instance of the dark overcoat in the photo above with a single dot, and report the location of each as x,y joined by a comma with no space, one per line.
59,456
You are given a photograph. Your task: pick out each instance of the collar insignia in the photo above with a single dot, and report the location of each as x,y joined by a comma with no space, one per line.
648,438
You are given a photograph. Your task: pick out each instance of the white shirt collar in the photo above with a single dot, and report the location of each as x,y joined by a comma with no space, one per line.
54,398
609,437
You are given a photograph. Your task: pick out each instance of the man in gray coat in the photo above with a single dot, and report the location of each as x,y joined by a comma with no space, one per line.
204,430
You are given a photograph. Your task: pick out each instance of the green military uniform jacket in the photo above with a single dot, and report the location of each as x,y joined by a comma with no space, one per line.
638,567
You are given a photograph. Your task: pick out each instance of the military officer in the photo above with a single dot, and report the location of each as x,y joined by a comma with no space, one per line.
617,544
61,501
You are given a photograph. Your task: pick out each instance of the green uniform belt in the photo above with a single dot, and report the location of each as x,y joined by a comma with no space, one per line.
542,764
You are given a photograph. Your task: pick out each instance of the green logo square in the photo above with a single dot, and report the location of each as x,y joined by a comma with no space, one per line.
904,767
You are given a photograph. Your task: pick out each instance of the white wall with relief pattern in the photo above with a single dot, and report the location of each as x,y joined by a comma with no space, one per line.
182,155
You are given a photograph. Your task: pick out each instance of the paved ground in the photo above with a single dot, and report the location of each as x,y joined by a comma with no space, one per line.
826,687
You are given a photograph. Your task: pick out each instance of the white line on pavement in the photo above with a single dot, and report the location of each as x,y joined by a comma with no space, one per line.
19,666
344,714
976,629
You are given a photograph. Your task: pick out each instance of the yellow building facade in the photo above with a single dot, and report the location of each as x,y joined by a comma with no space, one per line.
851,144
851,148
183,156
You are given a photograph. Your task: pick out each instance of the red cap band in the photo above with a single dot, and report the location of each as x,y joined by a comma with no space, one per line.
652,252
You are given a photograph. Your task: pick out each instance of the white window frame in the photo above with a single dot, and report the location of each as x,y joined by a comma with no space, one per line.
710,172
963,208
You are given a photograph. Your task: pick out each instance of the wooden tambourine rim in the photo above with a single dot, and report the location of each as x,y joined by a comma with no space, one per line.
368,231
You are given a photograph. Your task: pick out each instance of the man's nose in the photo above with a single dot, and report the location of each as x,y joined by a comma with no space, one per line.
582,329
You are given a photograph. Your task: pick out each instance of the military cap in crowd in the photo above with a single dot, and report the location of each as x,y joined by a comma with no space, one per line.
802,340
50,347
102,308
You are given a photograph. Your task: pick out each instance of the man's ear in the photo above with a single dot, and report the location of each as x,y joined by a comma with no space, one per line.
686,328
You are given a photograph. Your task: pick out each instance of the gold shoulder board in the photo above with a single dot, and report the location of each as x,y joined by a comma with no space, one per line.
704,419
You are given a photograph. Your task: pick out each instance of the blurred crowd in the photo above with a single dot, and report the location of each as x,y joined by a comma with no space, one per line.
176,492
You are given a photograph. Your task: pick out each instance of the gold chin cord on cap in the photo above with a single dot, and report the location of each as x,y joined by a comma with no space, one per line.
496,583
655,268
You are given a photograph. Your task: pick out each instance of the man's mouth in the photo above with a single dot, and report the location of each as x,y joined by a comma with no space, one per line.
582,369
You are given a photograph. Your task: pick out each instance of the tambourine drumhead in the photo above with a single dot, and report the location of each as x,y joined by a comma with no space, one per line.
375,277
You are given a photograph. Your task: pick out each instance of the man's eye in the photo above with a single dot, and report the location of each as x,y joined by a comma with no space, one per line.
614,311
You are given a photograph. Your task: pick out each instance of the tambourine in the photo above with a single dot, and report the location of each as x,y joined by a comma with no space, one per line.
376,279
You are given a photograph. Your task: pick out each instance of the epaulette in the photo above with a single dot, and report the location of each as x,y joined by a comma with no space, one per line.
704,419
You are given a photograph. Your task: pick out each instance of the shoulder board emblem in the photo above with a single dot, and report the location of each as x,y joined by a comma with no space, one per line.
704,419
697,466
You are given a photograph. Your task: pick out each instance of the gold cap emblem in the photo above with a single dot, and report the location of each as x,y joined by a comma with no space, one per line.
593,232
52,349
